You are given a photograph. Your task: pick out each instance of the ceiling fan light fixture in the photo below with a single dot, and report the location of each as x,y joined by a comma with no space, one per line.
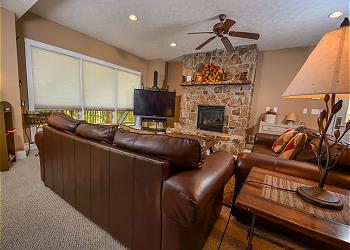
336,14
133,18
173,45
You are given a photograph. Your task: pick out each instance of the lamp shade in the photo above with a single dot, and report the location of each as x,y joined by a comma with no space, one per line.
292,117
326,70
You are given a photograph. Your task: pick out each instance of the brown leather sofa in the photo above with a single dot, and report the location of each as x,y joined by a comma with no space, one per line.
147,191
304,166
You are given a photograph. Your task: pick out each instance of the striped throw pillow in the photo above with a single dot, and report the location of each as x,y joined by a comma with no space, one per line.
283,140
294,146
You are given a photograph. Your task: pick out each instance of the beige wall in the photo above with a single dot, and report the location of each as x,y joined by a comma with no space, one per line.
9,72
275,70
43,30
156,65
0,51
175,77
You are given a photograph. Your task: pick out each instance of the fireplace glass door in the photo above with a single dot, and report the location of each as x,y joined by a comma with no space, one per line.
210,118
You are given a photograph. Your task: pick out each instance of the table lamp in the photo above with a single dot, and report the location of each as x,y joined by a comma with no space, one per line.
291,118
325,74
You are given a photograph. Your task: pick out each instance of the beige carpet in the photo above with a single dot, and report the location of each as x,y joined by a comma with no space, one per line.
34,217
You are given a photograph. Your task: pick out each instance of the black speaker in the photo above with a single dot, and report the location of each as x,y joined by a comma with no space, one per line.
155,79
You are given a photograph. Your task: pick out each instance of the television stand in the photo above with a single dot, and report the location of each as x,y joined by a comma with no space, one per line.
154,123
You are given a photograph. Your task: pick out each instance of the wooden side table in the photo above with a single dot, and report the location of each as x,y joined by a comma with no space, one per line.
37,119
287,209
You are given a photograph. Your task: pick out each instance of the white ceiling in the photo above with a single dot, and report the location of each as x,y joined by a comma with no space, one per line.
281,23
18,6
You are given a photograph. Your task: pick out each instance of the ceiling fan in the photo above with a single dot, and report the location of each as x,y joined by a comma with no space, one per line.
223,28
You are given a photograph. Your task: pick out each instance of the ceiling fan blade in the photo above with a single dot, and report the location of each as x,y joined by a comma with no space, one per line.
227,44
204,32
212,18
244,35
228,24
206,42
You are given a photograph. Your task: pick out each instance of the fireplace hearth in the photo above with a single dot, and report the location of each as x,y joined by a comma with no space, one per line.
210,118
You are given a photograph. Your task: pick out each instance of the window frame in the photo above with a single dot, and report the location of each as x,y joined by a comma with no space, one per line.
29,43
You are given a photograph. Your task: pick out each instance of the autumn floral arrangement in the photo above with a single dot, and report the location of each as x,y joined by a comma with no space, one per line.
210,73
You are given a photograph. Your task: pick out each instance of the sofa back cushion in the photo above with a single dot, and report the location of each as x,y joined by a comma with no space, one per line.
97,132
182,151
312,134
308,154
62,121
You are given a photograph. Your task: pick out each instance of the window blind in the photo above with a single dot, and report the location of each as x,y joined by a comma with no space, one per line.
56,80
62,79
126,83
99,86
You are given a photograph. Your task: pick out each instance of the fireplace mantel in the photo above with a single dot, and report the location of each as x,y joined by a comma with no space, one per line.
193,84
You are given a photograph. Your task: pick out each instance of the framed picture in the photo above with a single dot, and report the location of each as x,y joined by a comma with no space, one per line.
188,78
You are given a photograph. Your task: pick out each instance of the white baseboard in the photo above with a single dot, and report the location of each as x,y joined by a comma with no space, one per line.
21,154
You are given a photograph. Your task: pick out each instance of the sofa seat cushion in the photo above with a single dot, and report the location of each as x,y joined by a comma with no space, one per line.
188,194
62,121
182,151
97,132
264,150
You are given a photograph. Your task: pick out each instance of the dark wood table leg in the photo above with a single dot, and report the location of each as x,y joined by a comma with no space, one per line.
29,140
251,232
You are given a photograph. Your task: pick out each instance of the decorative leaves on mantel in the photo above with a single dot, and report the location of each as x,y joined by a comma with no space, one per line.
225,83
239,66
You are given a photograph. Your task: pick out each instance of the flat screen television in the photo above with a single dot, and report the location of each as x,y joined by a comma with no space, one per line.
154,103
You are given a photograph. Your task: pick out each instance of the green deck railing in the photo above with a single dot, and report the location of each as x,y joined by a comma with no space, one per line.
97,116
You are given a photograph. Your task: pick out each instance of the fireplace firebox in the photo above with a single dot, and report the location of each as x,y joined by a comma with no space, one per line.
210,118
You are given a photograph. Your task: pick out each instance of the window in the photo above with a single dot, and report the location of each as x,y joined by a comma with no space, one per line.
81,86
99,86
56,80
125,90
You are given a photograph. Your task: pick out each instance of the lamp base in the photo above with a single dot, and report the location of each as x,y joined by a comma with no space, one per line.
320,197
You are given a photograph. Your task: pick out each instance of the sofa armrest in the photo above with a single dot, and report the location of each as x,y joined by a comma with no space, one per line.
187,194
265,139
39,140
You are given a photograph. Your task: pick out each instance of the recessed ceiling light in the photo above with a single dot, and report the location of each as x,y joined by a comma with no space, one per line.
133,17
173,44
336,14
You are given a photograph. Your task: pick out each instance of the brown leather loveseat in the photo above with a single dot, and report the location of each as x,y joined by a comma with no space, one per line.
148,191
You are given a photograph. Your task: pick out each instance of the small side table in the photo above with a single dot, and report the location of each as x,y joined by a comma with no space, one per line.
37,119
287,209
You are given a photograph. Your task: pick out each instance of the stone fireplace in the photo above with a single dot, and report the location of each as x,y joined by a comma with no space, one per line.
210,118
233,96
